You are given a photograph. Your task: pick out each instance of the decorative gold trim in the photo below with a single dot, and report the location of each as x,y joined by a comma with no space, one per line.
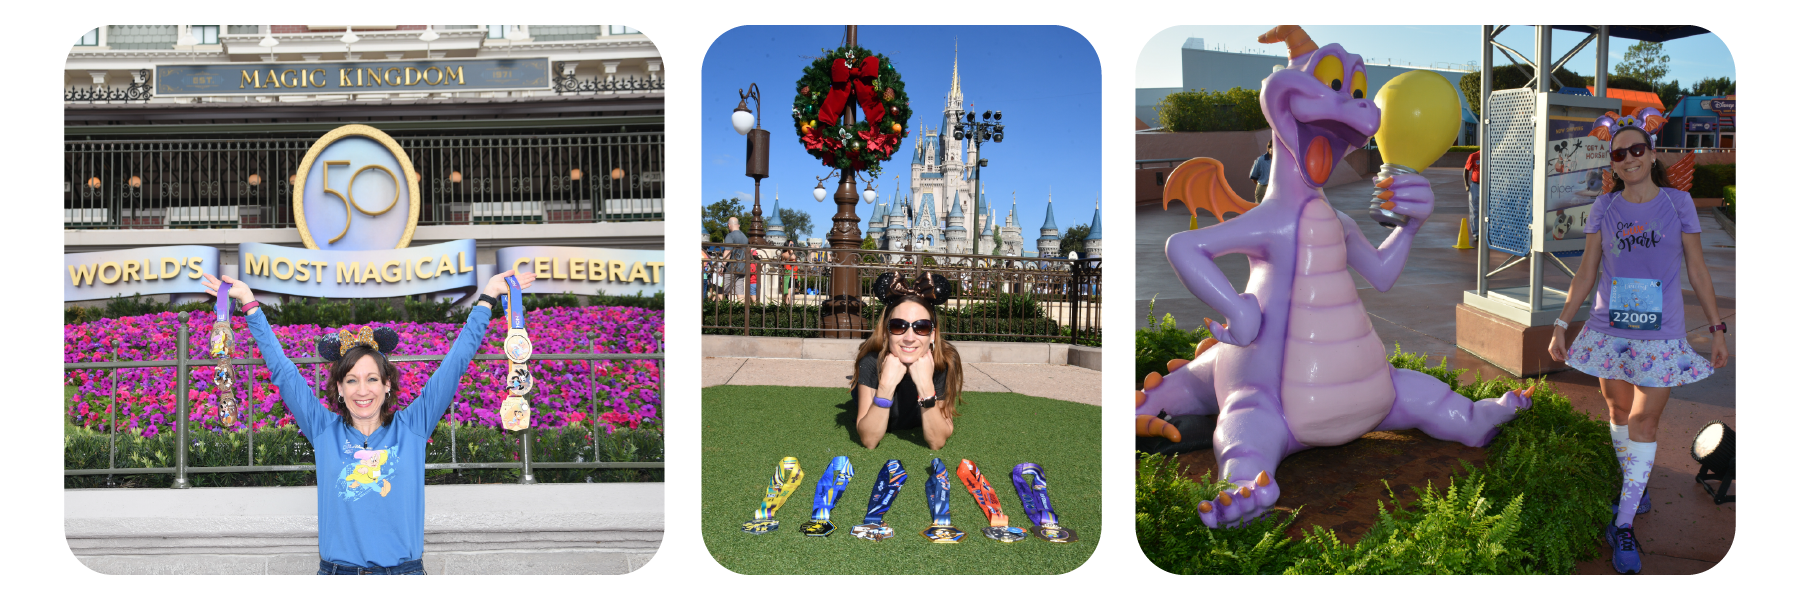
372,133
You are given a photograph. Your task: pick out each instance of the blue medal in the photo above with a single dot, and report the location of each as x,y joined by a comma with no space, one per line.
881,499
825,497
937,496
1028,481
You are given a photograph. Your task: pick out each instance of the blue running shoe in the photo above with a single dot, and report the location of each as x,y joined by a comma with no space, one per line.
1643,503
1625,549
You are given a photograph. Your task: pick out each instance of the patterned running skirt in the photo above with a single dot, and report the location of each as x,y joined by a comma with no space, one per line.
1643,363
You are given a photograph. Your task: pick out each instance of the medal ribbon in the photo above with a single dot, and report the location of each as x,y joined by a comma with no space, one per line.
1035,495
515,312
978,486
831,486
937,494
786,480
887,488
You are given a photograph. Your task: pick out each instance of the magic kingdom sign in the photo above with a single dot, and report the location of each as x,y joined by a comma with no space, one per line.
357,77
356,204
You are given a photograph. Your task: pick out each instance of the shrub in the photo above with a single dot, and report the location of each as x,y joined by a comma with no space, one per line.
1161,342
1236,109
1730,207
1710,180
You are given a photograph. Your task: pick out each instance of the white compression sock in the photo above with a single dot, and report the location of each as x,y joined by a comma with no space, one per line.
1619,437
1639,457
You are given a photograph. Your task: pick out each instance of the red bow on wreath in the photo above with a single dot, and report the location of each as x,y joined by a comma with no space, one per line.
880,143
859,81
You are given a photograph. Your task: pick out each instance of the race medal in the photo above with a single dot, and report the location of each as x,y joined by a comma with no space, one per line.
825,497
515,412
787,479
1028,481
881,498
989,501
937,496
220,345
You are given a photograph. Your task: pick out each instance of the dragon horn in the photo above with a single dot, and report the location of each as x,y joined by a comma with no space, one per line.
1298,42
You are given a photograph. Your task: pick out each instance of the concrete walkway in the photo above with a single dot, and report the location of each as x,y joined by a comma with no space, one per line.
1060,382
1685,532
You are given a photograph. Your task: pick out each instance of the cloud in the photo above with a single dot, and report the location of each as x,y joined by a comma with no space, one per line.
747,197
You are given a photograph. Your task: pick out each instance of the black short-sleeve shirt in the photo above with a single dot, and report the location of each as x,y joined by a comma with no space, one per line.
905,413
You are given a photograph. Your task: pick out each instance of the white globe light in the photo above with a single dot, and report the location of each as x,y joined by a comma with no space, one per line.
742,120
819,193
869,196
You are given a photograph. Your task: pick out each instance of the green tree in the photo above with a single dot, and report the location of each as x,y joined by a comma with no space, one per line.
869,243
1072,240
796,223
1511,77
1669,93
1714,86
1643,60
714,216
1236,109
1623,82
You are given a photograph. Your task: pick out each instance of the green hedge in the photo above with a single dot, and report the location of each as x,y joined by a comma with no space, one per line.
1161,342
83,449
1236,109
1730,206
1710,180
727,318
1538,506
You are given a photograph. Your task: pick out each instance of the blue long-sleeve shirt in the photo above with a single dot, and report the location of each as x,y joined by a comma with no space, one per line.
371,488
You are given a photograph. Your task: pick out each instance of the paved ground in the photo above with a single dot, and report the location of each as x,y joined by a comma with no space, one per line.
1685,533
1060,382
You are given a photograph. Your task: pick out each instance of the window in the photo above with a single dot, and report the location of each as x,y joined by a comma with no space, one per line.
205,35
620,30
496,32
91,38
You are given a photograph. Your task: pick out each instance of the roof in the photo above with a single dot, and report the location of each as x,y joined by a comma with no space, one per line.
775,219
1049,216
1094,228
878,219
1632,99
956,206
1643,33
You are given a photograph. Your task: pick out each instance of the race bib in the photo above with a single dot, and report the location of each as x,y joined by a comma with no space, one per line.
1636,304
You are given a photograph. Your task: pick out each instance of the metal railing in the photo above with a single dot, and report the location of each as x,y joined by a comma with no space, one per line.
183,363
996,298
467,179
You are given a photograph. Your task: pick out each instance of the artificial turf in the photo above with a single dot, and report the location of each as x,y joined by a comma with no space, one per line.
748,429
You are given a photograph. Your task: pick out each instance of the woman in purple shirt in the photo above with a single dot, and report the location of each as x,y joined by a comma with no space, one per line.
1635,340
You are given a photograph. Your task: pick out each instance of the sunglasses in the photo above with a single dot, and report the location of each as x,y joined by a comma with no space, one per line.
1637,149
921,326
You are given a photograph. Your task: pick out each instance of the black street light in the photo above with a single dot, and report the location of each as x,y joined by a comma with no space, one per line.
988,128
756,154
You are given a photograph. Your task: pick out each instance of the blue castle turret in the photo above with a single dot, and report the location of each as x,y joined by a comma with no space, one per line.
1049,238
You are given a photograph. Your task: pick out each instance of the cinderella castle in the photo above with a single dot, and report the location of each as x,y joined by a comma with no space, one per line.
943,183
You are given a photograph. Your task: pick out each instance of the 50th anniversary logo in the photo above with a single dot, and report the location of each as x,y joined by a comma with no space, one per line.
356,204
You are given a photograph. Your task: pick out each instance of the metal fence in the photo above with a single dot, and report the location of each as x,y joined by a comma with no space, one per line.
183,363
780,291
468,179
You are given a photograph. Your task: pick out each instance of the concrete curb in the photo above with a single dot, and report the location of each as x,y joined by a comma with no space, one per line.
563,529
742,346
1725,223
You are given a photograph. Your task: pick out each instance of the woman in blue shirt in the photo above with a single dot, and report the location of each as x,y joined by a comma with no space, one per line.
370,454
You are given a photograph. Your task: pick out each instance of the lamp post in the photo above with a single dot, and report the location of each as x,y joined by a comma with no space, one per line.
978,131
756,154
842,317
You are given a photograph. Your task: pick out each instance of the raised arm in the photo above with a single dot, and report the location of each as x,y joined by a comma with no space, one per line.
1191,253
435,397
296,393
1408,195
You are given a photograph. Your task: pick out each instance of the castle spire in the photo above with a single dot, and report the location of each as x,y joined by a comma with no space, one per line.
955,100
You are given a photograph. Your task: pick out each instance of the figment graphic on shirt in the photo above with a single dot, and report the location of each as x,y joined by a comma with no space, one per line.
369,473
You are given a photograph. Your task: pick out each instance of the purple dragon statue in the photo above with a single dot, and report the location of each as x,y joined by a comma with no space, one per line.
1297,364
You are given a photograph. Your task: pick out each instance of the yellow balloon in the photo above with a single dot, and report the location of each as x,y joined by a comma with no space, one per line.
1420,117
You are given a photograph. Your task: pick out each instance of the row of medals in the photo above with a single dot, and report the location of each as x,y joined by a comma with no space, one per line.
938,534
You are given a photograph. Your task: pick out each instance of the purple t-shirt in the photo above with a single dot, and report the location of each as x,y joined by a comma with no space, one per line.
1639,294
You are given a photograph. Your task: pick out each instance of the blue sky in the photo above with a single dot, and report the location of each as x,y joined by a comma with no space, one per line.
1691,59
1046,80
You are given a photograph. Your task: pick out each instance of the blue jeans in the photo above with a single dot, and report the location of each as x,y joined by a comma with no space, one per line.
411,567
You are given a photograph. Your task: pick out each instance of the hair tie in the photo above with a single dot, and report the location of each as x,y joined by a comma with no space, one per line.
933,288
333,346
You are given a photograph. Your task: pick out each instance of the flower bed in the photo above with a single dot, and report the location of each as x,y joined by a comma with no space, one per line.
610,394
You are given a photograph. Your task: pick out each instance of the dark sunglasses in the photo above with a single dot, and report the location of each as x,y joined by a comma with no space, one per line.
1637,149
921,326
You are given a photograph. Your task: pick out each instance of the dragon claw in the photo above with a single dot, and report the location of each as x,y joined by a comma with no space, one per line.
1388,205
1385,182
1262,479
1150,426
1152,380
1176,363
1203,345
1224,500
1141,397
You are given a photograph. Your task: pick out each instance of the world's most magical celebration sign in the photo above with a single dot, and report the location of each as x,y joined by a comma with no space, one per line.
355,201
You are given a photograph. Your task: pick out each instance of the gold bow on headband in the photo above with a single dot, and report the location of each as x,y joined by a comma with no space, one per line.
348,338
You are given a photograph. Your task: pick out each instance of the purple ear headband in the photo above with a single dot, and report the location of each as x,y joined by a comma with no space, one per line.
1645,118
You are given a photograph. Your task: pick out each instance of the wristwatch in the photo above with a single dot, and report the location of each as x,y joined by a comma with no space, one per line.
1720,328
1561,323
928,402
493,303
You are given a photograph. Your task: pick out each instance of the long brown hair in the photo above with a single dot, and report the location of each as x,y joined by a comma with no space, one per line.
341,369
944,358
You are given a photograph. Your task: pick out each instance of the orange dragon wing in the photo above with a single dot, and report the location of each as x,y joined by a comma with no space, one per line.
1681,174
1606,181
1200,183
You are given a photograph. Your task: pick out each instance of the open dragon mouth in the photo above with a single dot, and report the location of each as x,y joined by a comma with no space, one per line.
1322,143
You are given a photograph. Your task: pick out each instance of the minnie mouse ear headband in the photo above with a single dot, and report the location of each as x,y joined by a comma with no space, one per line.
333,346
1646,119
891,287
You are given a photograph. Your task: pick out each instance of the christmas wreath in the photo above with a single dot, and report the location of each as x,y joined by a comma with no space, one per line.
851,75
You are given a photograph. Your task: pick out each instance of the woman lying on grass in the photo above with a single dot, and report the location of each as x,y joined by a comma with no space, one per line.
906,377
